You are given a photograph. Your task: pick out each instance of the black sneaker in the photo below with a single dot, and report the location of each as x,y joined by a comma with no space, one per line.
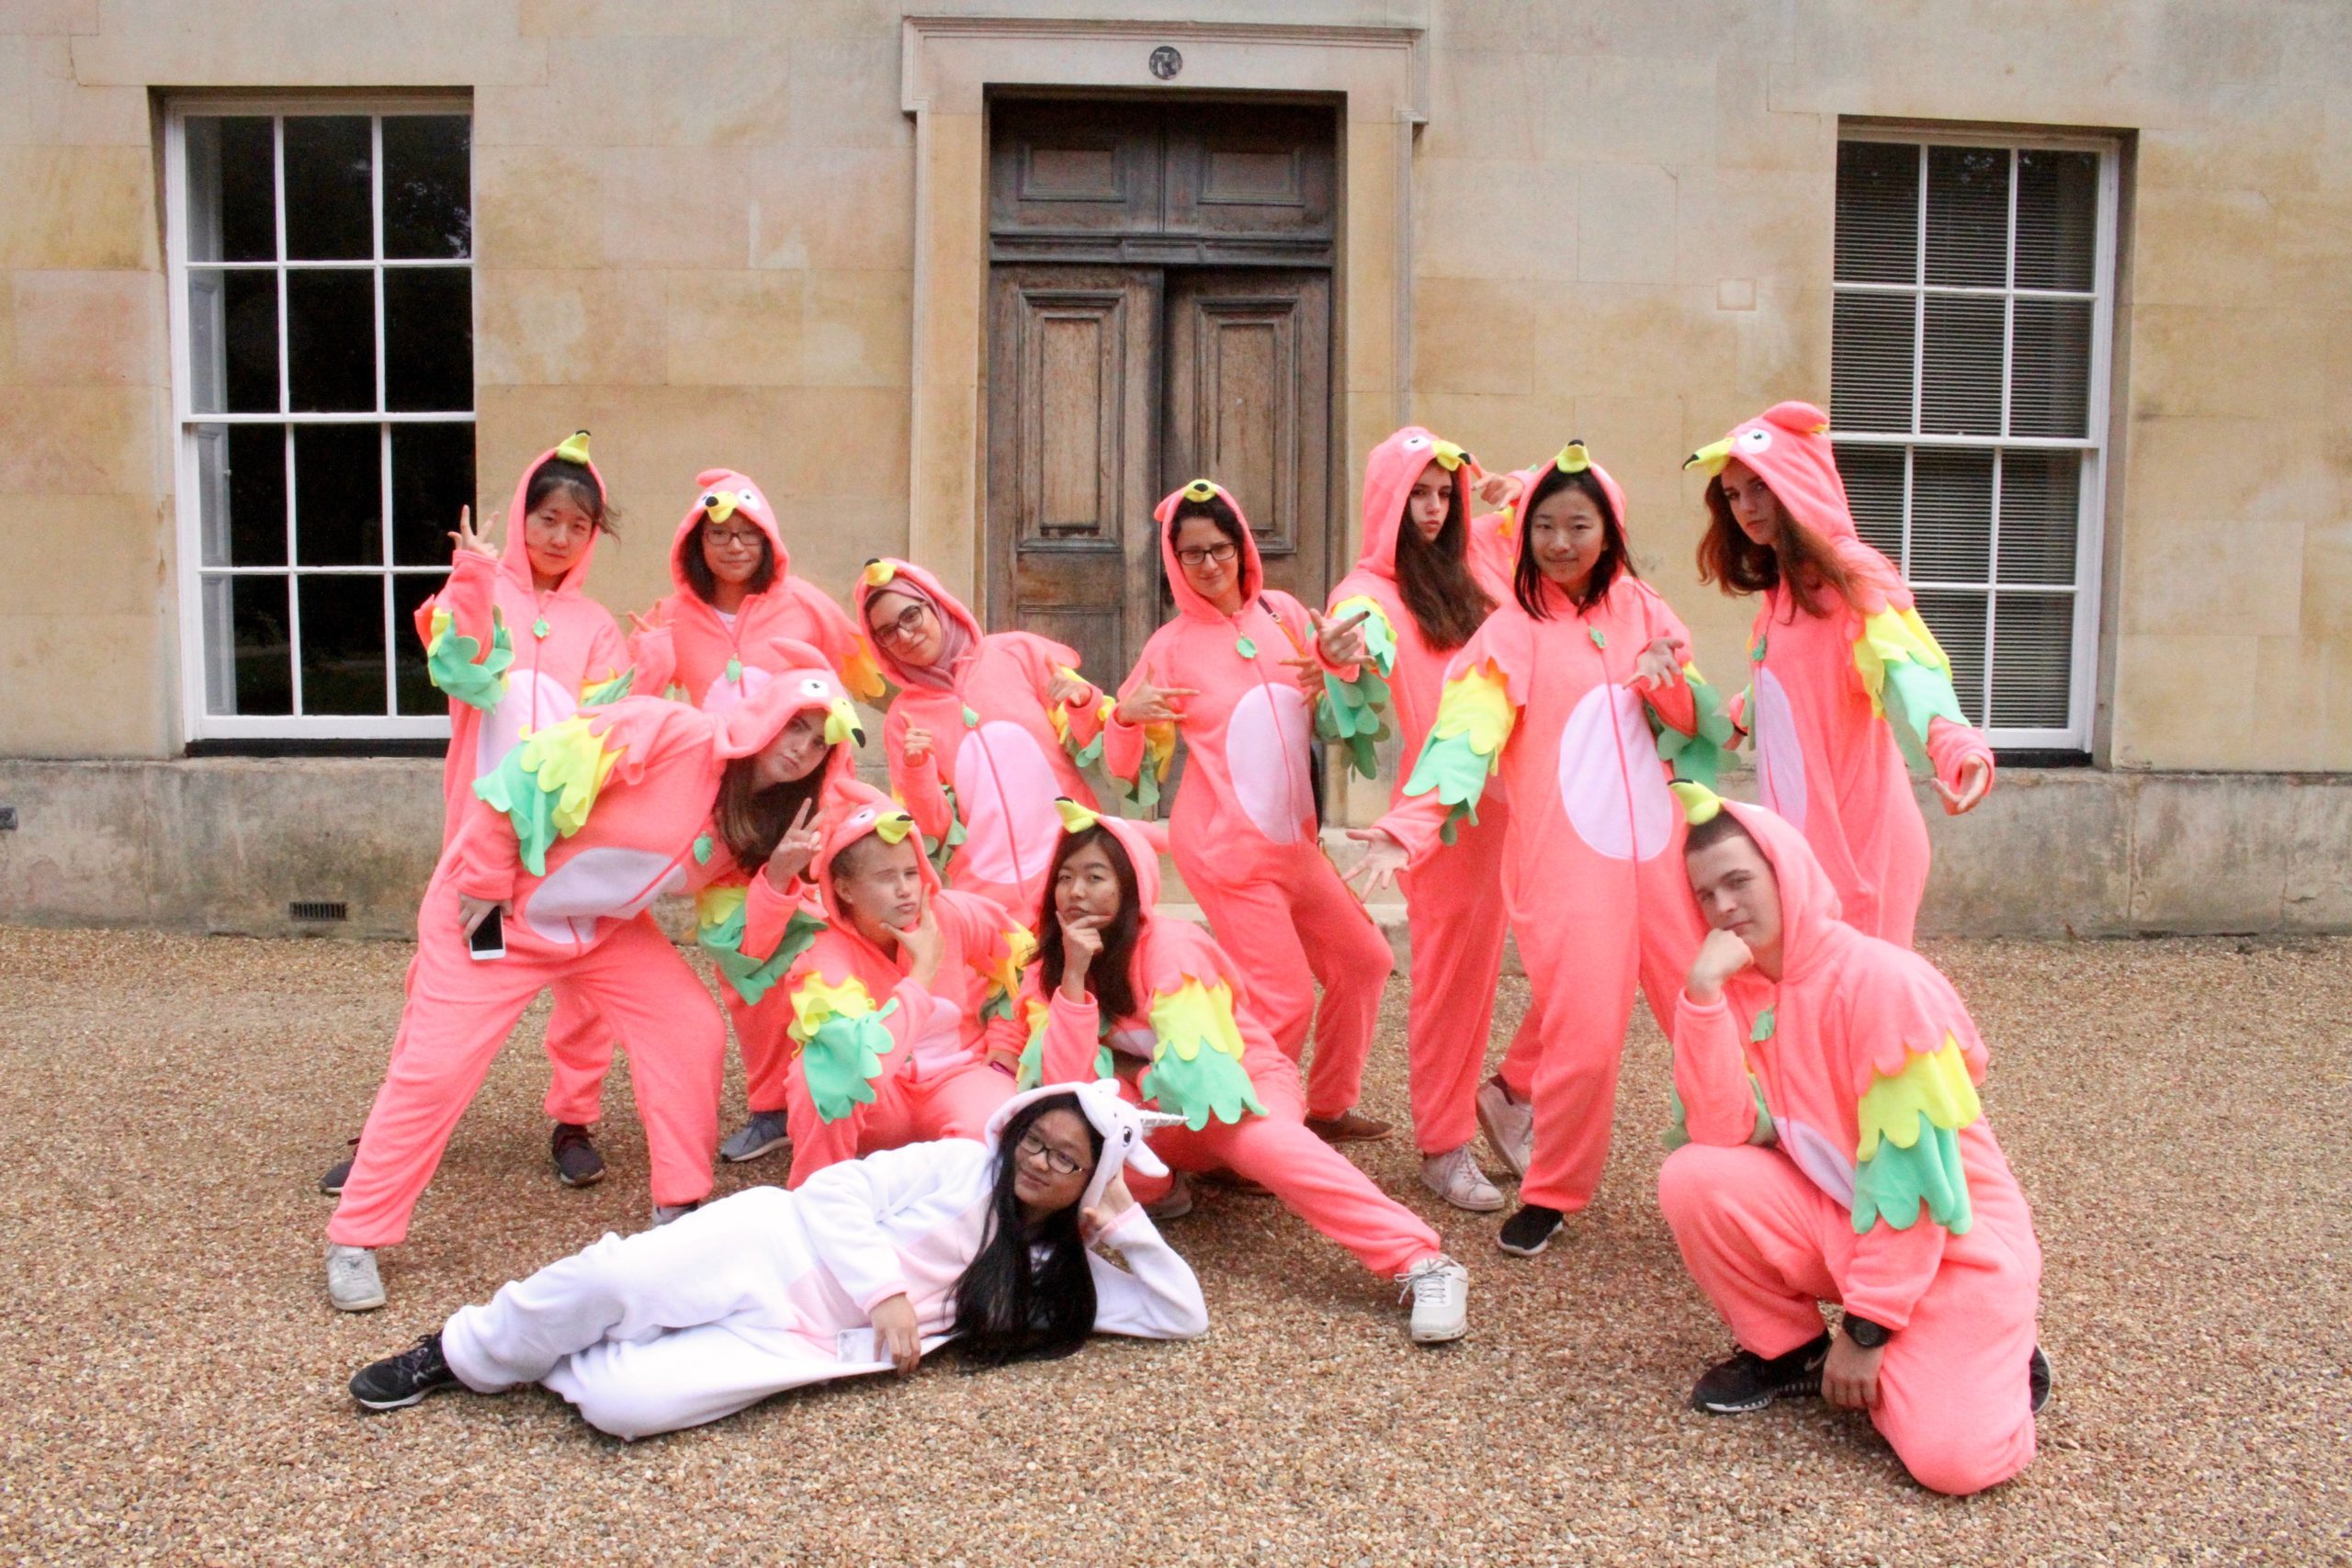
577,1163
403,1379
1747,1381
1531,1230
337,1174
2037,1375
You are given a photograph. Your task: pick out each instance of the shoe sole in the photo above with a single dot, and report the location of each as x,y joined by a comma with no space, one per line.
371,1304
1501,1145
334,1191
1421,1338
589,1180
1529,1251
1381,1136
763,1151
419,1398
1798,1390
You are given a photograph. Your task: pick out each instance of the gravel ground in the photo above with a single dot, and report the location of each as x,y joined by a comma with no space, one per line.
174,1392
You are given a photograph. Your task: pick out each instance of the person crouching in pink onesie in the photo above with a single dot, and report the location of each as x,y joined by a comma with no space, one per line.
569,842
1838,1152
1121,992
1236,673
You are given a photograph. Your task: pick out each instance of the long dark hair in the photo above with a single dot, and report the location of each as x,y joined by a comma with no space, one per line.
704,581
1433,575
575,480
1108,981
1219,512
1797,555
751,819
1528,582
1011,1306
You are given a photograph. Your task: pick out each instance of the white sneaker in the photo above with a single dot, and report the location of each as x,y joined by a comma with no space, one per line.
665,1214
1454,1176
1510,1124
353,1283
1441,1291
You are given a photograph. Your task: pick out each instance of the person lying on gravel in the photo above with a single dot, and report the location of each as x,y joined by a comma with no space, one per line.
865,1268
1837,1151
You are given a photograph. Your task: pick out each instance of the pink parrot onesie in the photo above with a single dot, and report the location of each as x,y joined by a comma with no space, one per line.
1198,1050
1592,864
583,825
1836,702
511,660
1453,905
1876,1182
767,1290
881,1060
1244,832
1001,749
686,649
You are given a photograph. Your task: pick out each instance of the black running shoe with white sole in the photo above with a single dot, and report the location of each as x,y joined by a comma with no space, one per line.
1749,1381
397,1381
1530,1231
577,1163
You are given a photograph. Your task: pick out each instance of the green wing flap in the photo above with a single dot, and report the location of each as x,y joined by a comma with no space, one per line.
842,1056
457,667
1895,1180
1697,758
944,850
1451,766
1353,714
612,691
751,977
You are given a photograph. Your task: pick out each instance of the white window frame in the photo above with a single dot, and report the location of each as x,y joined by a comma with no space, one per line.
2081,700
198,724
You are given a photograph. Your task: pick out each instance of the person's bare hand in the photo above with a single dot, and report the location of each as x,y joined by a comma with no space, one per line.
1498,490
1081,945
467,537
1721,956
923,946
1307,673
1383,857
1068,689
1105,1212
1849,1377
472,912
1151,702
1342,641
797,851
917,743
900,1334
1975,784
1658,664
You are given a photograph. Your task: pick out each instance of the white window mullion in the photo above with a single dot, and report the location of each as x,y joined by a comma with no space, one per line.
1919,313
293,582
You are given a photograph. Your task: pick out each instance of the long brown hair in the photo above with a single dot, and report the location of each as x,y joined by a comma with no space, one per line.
1528,581
1433,577
751,819
1797,555
1107,978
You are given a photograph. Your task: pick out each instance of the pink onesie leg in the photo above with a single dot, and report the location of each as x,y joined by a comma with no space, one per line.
767,1051
677,1050
1313,1179
958,1104
1765,1246
1454,908
889,1121
580,1053
1347,953
1251,918
1582,967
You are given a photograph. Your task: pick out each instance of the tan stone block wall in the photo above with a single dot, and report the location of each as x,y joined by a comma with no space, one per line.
696,235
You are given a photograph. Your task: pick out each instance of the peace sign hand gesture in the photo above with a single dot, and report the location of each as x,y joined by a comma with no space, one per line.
796,852
467,538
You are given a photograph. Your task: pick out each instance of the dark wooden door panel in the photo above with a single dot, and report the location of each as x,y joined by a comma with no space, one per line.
1270,173
1074,168
1072,390
1248,404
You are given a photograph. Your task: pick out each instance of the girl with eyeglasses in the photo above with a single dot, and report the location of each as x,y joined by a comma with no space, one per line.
996,1243
1237,674
987,729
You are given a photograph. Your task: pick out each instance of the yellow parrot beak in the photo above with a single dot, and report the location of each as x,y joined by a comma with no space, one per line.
841,724
575,448
1711,459
1573,458
1201,490
879,573
894,828
1699,804
1449,456
718,506
1076,818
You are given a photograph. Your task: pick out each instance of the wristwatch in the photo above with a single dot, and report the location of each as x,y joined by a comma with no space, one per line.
1865,1333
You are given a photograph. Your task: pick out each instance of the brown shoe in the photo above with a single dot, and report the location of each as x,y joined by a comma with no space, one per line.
1350,1127
1234,1182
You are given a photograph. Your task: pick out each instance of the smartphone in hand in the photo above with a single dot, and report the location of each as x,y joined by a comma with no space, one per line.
488,940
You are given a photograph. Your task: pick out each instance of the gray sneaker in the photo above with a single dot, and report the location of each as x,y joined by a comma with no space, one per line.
1454,1176
1441,1291
353,1283
764,1134
1509,1123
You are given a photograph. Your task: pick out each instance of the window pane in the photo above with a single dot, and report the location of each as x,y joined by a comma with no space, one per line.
1968,216
1871,348
429,339
1873,476
231,189
433,475
1878,212
428,184
2033,660
330,188
338,498
233,340
331,340
1958,621
1960,368
343,644
241,493
417,693
2050,368
1952,516
2041,516
247,669
2057,219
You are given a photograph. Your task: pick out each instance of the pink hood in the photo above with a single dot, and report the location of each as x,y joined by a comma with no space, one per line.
1569,460
513,559
860,810
803,679
1390,475
1253,573
721,494
1788,446
890,572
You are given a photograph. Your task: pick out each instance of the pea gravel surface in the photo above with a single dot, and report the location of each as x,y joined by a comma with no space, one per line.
174,1379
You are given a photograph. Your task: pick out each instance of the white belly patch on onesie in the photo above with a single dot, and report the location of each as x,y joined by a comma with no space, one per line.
1005,790
1265,753
1612,784
1779,758
533,701
1817,1157
606,882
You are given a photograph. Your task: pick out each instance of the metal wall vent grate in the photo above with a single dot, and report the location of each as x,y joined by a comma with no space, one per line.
318,910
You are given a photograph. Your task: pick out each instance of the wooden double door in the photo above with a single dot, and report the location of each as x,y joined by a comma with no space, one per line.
1161,310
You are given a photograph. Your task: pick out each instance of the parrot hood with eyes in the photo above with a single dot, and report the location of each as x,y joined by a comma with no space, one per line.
1252,571
514,559
726,497
858,810
803,679
1788,446
1390,475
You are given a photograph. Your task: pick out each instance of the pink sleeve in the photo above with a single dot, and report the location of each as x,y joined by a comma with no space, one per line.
1711,1073
1072,1040
653,649
1893,1268
1043,660
1673,700
609,657
916,784
1949,746
483,855
467,596
768,911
